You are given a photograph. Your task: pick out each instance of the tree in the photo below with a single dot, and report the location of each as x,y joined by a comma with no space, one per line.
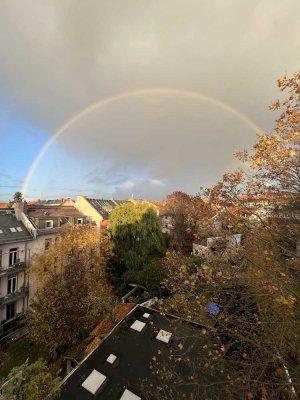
137,236
257,329
186,213
17,197
73,291
149,277
31,382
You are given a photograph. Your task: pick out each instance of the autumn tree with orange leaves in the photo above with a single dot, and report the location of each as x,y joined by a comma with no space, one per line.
72,287
255,336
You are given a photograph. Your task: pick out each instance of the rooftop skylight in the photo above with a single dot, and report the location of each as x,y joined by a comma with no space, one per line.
138,325
1,231
94,382
146,315
111,358
19,229
12,229
164,336
128,395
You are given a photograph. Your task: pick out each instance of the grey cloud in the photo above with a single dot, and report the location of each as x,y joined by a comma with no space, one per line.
60,56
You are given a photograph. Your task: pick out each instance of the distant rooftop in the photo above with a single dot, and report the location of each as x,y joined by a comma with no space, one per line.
12,230
104,207
38,211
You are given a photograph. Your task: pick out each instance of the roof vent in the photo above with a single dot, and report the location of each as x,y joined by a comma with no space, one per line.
164,336
128,395
94,382
138,325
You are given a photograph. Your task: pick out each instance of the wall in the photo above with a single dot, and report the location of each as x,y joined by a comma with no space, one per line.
22,255
84,206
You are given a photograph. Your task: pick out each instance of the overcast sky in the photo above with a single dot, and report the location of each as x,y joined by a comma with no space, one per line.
60,56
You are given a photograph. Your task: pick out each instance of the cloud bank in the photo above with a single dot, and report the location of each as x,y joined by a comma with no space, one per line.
60,56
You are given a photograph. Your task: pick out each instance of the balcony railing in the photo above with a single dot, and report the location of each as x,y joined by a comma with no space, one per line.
12,297
14,268
8,326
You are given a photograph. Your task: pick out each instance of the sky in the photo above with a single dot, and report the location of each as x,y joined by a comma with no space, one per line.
176,83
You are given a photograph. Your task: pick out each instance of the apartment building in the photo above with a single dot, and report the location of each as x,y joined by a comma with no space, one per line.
15,241
97,209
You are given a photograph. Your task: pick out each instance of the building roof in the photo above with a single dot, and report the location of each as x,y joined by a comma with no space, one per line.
12,230
143,336
104,207
37,211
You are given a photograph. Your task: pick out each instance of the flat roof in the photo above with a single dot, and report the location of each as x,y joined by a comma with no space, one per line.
135,354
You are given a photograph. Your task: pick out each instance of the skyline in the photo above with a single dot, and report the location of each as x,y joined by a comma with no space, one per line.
61,58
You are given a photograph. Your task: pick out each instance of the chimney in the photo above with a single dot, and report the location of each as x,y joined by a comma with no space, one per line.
19,209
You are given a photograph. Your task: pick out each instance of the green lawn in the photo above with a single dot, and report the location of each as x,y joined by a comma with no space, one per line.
18,352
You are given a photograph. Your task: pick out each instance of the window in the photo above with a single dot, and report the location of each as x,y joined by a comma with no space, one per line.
11,284
49,223
10,311
79,221
13,253
48,243
0,258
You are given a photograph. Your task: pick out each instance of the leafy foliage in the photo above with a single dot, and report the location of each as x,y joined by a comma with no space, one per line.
31,382
136,235
74,291
150,278
256,333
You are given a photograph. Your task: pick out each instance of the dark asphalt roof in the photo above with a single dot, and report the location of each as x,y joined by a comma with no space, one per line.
135,352
7,221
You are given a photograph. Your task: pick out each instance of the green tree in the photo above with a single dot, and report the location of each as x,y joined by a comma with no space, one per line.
137,237
31,382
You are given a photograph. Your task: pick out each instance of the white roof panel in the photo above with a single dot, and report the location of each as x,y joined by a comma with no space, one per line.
111,358
146,315
164,336
138,325
94,381
128,395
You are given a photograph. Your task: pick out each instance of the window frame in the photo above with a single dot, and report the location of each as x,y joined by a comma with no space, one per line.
51,223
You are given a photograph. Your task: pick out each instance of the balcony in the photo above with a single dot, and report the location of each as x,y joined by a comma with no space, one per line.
12,297
13,269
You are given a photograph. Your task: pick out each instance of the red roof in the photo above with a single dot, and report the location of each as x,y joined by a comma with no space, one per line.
104,224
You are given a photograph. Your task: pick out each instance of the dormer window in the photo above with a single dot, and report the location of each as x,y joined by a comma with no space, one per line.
49,223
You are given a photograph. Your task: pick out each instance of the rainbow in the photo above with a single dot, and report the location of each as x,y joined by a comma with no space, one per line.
125,95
